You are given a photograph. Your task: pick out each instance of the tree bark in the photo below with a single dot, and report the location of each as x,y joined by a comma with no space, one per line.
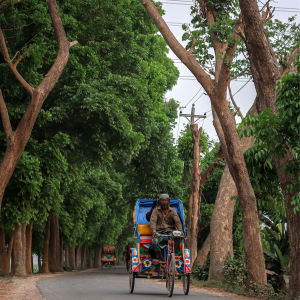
16,141
46,247
97,257
221,226
193,203
265,68
83,257
62,253
78,257
24,244
39,262
18,269
72,258
202,254
222,218
54,253
29,269
67,251
5,255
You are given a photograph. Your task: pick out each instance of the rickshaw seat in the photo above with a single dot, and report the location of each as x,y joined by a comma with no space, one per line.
144,229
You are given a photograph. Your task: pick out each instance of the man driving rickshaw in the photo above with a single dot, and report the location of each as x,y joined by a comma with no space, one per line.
164,220
159,230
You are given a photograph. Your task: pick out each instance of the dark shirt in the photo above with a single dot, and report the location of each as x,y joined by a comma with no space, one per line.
162,223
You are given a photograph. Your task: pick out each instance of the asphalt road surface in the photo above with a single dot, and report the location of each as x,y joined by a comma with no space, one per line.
108,284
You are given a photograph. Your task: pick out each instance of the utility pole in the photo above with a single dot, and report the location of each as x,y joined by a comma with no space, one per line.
192,115
194,203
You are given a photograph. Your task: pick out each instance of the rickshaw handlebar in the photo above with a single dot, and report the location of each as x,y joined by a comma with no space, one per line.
181,236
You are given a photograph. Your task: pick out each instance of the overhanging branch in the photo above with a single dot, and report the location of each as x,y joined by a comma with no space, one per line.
185,56
5,119
28,88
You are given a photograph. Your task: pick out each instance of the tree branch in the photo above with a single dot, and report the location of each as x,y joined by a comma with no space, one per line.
5,119
185,56
229,55
9,6
193,45
21,57
292,55
28,88
231,97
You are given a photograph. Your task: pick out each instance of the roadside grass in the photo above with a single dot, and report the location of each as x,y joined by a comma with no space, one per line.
256,292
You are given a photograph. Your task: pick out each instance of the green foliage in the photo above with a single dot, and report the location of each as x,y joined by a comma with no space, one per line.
201,272
280,131
235,270
275,243
103,137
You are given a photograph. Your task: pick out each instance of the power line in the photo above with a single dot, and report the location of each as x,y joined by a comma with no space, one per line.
194,96
199,97
278,8
239,89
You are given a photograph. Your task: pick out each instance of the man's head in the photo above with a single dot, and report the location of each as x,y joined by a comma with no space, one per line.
164,201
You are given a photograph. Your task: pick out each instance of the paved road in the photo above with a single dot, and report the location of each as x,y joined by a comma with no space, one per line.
107,284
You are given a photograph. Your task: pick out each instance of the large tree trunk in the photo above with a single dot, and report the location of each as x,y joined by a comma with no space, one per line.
17,140
29,248
62,254
5,255
83,257
221,226
97,257
18,268
193,204
39,262
78,257
265,68
72,260
222,218
202,254
24,245
67,251
46,247
54,249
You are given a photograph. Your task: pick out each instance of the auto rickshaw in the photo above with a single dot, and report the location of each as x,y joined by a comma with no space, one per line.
108,257
142,262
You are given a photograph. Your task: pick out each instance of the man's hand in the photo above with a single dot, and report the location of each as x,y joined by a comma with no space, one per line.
154,235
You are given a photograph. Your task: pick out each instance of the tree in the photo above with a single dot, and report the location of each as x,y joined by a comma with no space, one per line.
282,141
17,140
225,127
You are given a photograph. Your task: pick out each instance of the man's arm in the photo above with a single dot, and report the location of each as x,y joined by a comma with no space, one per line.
153,221
177,221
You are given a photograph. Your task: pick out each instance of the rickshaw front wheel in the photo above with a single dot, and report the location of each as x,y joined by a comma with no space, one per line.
171,275
186,283
131,277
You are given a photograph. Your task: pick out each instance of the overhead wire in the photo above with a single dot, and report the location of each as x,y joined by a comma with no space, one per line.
239,89
193,97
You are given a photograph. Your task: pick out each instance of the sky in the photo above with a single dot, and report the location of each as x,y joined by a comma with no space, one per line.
178,11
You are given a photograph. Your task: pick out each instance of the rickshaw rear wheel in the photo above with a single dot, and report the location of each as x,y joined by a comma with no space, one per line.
186,283
131,277
171,275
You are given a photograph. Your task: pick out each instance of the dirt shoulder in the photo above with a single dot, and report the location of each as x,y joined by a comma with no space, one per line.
24,288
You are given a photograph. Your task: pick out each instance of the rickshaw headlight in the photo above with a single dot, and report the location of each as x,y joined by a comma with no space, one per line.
176,233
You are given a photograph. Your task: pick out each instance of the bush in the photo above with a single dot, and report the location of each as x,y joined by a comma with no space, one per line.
235,270
201,272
